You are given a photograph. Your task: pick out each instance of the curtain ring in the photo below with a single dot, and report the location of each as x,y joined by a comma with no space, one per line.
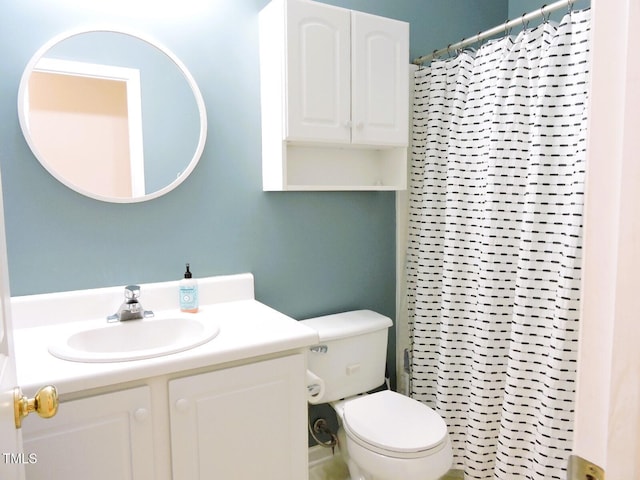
545,18
507,30
524,24
570,6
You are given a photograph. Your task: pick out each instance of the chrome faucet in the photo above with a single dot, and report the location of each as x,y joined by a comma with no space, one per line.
131,308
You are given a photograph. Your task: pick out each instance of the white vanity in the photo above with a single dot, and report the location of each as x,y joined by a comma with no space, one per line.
233,407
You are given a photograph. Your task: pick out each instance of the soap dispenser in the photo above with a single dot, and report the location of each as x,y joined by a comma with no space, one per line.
188,289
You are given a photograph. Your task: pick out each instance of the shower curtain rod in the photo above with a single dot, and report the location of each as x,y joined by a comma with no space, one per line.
523,20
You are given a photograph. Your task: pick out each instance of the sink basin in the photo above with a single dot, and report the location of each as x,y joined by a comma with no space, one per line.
134,339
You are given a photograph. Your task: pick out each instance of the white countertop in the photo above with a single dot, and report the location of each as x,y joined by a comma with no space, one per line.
248,329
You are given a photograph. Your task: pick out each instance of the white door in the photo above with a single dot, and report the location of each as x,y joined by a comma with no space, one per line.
318,73
380,80
608,403
11,467
100,107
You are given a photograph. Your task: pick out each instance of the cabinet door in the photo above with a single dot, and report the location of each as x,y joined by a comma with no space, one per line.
318,69
380,80
245,423
105,437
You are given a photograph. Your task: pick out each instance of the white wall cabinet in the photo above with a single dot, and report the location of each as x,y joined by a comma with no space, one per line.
246,422
103,437
335,98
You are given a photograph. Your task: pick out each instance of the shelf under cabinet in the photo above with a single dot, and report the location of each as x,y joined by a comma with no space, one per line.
325,168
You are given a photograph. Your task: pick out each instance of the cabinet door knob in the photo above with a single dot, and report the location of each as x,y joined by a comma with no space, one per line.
141,414
182,405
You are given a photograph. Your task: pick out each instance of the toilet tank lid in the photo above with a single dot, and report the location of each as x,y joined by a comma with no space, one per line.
347,324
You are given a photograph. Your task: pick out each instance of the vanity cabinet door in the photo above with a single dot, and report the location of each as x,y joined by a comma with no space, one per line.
318,69
246,423
104,437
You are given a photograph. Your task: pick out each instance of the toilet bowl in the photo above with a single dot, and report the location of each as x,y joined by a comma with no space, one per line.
389,436
382,435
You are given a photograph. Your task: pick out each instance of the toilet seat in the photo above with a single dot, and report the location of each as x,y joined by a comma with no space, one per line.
394,425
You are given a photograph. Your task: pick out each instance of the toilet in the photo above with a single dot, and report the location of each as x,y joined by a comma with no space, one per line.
382,435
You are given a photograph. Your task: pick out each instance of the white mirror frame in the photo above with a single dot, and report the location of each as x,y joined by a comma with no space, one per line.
24,124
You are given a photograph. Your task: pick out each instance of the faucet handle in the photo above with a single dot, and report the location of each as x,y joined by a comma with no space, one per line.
132,292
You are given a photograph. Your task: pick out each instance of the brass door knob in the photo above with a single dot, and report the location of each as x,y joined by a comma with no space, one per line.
45,403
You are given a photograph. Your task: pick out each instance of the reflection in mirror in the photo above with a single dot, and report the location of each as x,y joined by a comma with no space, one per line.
112,115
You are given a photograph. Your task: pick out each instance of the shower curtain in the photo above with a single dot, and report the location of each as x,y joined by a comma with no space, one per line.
493,261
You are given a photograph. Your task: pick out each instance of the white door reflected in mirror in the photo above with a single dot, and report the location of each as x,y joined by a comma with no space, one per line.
101,107
112,115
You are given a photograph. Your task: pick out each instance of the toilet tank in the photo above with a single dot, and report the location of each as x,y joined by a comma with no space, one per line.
351,356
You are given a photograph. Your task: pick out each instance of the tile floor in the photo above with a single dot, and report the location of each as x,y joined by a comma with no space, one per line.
327,467
454,475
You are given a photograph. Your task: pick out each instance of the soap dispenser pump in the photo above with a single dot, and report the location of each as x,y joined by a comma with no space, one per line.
188,289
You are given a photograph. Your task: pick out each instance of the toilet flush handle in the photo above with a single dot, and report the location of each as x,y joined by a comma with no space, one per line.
315,388
319,349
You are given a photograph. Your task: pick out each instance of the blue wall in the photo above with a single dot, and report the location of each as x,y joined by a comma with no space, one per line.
311,253
519,7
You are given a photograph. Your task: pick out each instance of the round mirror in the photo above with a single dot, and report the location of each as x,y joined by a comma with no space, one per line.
112,115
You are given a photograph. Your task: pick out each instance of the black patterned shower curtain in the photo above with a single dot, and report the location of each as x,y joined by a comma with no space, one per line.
495,233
